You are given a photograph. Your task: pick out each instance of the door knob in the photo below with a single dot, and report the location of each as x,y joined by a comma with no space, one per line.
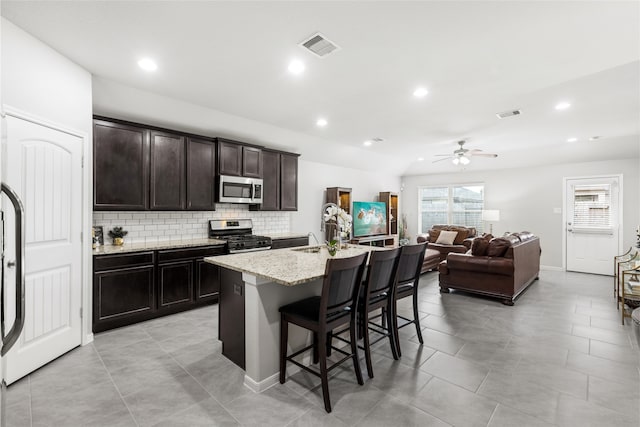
11,264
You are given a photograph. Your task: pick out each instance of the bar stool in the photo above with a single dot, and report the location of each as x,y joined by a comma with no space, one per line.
411,258
379,293
336,306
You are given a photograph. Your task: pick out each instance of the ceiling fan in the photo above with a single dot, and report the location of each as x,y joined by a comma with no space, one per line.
461,156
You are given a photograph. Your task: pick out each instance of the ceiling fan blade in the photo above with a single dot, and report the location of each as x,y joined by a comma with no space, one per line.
474,151
442,155
485,155
444,158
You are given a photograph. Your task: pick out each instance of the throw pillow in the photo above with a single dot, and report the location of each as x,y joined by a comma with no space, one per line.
479,246
446,237
433,235
498,247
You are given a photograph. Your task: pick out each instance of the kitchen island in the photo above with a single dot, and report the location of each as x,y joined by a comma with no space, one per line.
254,286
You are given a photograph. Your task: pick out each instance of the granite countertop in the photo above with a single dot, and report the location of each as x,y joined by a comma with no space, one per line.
289,266
166,244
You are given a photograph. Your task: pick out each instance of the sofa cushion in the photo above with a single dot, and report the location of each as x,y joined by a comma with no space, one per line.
498,247
479,246
447,237
463,233
433,234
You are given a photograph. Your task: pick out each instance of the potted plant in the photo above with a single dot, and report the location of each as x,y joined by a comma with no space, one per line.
117,234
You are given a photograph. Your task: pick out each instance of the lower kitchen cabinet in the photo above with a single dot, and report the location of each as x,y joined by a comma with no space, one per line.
289,242
129,288
123,290
231,316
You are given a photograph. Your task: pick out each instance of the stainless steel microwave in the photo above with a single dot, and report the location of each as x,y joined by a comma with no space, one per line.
236,189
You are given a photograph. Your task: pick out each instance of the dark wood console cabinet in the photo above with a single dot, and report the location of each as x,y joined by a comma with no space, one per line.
129,288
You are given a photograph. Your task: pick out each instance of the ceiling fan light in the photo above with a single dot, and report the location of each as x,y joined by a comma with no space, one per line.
456,160
464,160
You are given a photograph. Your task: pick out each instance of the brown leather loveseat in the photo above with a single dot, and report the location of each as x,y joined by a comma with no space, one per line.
502,267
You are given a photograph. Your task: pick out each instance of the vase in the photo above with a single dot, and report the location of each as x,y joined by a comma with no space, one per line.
332,249
118,241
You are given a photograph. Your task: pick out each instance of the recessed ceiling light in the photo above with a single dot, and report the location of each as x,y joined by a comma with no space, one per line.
296,67
562,106
420,159
321,122
420,92
367,143
572,139
147,64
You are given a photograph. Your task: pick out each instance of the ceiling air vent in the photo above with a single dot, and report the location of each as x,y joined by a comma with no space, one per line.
319,45
509,113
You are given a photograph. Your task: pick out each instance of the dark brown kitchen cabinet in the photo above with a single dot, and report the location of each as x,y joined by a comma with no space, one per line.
201,174
229,158
251,162
131,287
120,166
270,181
175,284
123,290
288,182
237,159
167,171
291,242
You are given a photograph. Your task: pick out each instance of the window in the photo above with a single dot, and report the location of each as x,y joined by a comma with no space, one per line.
451,204
592,206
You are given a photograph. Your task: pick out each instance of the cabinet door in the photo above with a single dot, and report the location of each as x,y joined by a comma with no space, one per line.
271,181
288,182
175,284
120,167
251,162
229,158
167,171
201,174
122,297
207,281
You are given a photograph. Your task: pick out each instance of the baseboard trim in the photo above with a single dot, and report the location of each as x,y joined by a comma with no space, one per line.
259,387
551,268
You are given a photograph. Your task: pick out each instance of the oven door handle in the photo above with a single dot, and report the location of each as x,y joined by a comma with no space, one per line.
11,337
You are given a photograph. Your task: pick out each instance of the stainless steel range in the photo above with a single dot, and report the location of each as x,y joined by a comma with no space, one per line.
237,233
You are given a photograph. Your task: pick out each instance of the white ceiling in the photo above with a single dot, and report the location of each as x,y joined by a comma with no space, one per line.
476,58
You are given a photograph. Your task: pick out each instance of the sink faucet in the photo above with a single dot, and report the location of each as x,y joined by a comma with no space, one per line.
314,237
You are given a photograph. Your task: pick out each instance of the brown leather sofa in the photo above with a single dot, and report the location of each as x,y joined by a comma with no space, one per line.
461,244
509,265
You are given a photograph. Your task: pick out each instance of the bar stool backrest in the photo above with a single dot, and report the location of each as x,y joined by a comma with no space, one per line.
341,285
411,259
382,272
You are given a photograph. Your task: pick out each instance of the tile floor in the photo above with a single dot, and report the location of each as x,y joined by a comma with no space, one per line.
558,357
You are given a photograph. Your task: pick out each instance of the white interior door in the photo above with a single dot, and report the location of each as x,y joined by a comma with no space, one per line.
593,222
44,167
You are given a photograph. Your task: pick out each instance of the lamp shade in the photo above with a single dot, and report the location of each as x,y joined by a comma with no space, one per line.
491,215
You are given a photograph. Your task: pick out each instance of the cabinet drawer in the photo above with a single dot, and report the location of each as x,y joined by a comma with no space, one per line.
176,254
289,243
110,262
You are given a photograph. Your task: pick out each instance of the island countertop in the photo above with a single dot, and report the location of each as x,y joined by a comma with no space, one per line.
289,267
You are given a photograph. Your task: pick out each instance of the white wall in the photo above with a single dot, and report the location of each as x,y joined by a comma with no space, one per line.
314,178
44,84
526,198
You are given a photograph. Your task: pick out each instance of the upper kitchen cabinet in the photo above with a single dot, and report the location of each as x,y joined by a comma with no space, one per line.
167,171
288,182
120,166
201,174
236,159
280,182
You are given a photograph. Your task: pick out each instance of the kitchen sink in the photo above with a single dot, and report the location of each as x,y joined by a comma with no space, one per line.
309,250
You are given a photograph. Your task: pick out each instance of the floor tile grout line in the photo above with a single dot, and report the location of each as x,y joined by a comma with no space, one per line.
115,386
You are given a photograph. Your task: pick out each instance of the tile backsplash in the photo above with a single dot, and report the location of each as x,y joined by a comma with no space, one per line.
154,226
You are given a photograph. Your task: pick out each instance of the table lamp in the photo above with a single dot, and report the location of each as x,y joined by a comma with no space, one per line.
491,216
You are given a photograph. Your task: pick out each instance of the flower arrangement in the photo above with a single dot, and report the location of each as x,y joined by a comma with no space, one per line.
341,219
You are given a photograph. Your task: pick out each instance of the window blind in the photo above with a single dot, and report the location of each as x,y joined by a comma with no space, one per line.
592,206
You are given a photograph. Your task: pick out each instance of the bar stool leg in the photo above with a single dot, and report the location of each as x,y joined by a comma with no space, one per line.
284,332
416,318
354,349
322,354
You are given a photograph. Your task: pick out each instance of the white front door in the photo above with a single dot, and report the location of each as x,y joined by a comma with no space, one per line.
593,222
44,167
